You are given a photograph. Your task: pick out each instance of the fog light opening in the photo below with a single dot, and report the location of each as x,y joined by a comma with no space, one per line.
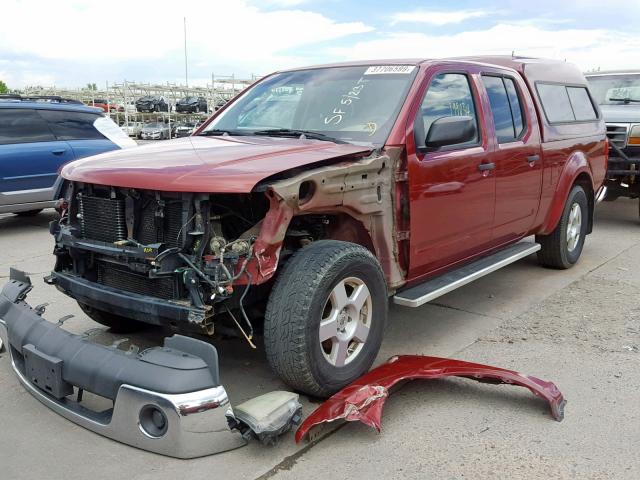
153,421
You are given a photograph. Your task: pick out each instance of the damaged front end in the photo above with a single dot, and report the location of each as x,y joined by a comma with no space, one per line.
157,257
364,399
179,259
166,400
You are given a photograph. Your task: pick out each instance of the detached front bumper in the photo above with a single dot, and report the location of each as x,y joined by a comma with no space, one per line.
166,399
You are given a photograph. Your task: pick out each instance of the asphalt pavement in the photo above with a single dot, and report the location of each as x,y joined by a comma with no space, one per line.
579,328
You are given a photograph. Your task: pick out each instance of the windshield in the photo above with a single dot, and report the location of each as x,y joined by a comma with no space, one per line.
153,125
615,89
353,104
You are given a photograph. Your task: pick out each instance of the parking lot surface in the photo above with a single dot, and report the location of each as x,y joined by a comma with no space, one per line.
579,328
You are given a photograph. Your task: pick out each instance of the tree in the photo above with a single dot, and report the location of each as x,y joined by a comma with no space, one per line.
3,87
92,86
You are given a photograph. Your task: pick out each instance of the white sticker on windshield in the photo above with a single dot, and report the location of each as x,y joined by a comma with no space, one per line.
387,69
109,129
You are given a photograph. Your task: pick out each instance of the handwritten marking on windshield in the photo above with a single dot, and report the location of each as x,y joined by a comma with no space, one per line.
372,127
346,99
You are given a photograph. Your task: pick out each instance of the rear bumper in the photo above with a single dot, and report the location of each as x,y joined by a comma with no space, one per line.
166,400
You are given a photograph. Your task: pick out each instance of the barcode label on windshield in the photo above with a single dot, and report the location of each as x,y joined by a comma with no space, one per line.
387,69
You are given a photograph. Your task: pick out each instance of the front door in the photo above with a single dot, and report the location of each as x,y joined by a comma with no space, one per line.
452,188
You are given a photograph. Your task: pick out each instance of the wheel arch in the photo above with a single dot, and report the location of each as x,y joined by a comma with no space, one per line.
357,191
576,171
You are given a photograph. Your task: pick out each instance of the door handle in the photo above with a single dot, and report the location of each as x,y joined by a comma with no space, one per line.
486,166
533,158
59,152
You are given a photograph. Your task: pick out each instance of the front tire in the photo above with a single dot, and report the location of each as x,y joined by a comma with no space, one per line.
326,317
116,323
561,249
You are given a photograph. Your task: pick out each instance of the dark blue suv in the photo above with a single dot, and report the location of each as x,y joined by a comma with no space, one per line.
37,137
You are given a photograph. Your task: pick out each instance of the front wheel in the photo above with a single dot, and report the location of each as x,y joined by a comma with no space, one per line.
326,317
562,248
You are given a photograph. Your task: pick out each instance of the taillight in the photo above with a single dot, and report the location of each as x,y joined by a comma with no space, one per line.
634,135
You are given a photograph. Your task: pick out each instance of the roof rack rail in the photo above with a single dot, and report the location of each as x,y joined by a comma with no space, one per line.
39,98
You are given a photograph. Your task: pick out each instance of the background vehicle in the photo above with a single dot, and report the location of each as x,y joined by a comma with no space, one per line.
618,94
155,131
185,129
152,103
219,104
36,139
130,107
133,129
319,193
104,105
192,105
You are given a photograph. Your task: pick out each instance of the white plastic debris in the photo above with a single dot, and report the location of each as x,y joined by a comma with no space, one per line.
266,417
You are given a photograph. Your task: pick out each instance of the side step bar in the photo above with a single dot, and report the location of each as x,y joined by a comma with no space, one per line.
445,283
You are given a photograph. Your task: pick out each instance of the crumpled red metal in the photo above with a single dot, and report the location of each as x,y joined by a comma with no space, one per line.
364,399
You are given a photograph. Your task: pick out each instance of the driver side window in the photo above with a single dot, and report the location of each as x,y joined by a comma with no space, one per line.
448,95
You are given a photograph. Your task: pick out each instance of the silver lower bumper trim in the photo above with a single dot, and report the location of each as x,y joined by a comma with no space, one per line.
196,424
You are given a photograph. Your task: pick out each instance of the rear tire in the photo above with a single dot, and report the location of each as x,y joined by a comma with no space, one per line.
116,323
332,290
561,249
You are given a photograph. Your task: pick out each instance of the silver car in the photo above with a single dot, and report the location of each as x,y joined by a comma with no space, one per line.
132,129
155,131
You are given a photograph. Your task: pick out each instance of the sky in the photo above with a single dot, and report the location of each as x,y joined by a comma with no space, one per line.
69,43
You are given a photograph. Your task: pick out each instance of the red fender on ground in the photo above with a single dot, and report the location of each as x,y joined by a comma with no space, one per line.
364,399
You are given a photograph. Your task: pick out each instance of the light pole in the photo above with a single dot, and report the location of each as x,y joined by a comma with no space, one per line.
186,74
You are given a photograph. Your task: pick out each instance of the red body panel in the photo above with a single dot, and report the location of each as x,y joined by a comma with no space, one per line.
364,399
204,164
564,162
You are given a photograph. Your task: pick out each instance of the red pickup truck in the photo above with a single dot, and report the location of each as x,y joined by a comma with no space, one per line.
305,203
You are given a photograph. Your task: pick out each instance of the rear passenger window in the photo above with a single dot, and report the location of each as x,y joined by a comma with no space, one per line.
20,125
67,125
516,105
582,107
505,107
448,95
563,103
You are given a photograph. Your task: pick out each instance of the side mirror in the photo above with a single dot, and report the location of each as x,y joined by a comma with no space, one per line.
450,131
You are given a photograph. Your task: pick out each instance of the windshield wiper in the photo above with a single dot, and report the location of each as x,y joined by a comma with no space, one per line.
216,131
288,132
625,100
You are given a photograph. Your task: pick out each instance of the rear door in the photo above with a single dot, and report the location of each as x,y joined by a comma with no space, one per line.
30,156
452,189
79,131
517,155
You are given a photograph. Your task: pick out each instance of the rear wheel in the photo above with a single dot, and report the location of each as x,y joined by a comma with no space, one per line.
562,248
325,317
116,323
